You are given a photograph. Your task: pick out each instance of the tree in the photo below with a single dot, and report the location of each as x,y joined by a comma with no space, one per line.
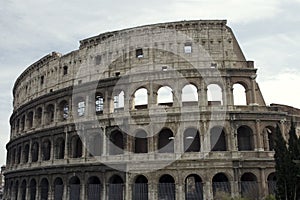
285,166
280,156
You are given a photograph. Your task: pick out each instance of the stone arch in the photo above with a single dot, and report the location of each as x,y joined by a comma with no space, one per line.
119,101
99,103
166,187
214,94
38,116
19,152
74,188
35,151
49,118
58,188
80,105
76,147
46,149
32,189
44,189
94,144
189,93
16,189
141,142
272,183
193,187
245,138
249,186
60,148
26,153
140,188
166,141
239,94
116,187
63,111
218,139
191,139
117,145
165,96
220,183
93,188
23,190
22,123
141,98
29,120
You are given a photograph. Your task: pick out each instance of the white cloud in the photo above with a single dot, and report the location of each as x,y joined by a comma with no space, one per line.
283,88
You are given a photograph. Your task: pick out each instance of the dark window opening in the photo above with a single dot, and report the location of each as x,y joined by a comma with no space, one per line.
217,139
65,70
140,188
245,139
76,147
193,187
116,143
220,184
139,53
46,150
191,140
166,187
42,80
166,141
141,142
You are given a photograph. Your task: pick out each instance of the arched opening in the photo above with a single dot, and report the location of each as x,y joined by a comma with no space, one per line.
166,141
29,121
249,186
272,183
49,114
270,134
74,192
94,145
116,146
192,140
141,98
217,139
76,147
26,153
63,110
44,189
189,95
16,189
165,96
166,187
18,126
80,104
23,190
220,184
13,156
65,70
119,101
19,154
193,187
116,188
94,188
32,189
58,189
214,95
46,150
22,123
38,117
245,139
141,142
99,103
35,152
60,148
239,94
140,188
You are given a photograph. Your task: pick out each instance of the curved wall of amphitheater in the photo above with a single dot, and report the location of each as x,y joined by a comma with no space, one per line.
144,113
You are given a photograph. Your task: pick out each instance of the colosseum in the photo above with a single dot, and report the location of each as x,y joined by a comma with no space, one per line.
159,112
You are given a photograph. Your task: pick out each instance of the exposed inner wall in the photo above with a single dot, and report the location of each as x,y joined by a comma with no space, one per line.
212,45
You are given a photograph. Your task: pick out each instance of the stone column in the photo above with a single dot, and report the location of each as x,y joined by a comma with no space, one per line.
263,186
260,146
104,141
52,149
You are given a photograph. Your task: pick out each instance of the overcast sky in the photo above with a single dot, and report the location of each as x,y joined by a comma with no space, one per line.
267,31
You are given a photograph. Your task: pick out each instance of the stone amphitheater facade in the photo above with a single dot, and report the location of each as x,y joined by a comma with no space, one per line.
149,112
